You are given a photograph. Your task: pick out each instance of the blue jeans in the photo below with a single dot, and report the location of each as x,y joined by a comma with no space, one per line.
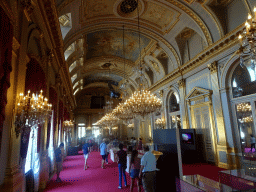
121,169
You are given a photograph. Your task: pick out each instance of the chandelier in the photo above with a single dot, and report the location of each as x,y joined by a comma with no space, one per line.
123,112
68,123
142,102
31,109
160,123
247,39
244,107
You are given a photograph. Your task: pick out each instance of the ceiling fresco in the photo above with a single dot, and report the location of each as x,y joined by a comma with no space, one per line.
102,77
110,42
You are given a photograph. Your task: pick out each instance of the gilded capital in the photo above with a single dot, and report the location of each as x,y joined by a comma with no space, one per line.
161,93
182,83
28,6
213,67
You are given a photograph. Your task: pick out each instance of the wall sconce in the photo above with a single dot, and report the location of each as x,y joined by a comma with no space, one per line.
31,110
160,123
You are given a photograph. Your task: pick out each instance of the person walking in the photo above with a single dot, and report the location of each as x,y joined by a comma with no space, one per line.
122,160
86,151
148,170
134,170
109,145
252,142
58,157
103,152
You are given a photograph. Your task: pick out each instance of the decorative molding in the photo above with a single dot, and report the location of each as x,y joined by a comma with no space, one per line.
221,45
195,17
182,83
213,67
64,4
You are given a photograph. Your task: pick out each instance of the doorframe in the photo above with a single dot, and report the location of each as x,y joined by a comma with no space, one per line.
199,97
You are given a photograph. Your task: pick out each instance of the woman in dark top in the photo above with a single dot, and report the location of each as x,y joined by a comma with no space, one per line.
122,159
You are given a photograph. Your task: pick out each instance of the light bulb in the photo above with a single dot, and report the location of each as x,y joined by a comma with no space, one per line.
249,16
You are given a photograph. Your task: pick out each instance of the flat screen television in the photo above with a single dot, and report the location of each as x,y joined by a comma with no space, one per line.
187,138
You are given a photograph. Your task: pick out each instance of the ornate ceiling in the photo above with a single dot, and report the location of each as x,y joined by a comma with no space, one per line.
93,38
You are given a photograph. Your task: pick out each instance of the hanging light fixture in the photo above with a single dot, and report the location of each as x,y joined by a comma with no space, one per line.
247,39
142,102
31,109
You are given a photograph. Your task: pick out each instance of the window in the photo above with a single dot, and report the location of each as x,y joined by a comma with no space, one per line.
174,111
32,160
72,66
81,132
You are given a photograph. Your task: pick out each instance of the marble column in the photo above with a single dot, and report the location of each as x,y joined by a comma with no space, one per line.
183,106
221,131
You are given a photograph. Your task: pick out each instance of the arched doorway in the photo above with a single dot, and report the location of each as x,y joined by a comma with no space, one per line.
173,108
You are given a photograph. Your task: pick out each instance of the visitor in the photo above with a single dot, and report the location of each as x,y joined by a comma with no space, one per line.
122,160
108,150
103,152
140,144
252,142
86,151
58,157
134,170
148,170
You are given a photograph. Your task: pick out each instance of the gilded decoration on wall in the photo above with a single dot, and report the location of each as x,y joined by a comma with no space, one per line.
109,42
155,65
213,67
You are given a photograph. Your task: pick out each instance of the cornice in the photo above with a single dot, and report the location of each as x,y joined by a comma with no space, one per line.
221,45
51,14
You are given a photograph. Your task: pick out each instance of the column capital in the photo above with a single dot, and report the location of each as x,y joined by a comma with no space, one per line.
182,83
213,67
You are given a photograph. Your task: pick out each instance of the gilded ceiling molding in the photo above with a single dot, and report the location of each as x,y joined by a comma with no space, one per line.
195,17
144,31
215,19
51,14
212,51
87,18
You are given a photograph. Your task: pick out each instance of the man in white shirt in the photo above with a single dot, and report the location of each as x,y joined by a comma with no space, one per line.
148,170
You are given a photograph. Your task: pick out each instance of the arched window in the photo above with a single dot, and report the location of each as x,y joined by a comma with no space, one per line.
244,103
174,111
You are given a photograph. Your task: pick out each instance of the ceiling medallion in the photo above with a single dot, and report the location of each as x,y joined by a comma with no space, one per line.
127,8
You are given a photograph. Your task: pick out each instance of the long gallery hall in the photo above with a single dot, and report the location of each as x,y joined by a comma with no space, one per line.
163,89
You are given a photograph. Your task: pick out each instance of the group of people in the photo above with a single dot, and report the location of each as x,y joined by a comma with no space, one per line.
143,169
140,169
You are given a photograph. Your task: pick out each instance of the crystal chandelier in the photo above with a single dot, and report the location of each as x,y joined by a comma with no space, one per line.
247,39
31,109
123,112
160,123
142,102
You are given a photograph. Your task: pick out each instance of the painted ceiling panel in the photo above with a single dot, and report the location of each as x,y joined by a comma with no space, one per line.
110,42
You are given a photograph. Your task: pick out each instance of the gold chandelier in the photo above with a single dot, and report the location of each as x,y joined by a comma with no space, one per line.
142,102
123,112
160,123
248,41
31,109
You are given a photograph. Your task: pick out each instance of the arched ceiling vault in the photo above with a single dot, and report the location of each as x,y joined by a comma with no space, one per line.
94,38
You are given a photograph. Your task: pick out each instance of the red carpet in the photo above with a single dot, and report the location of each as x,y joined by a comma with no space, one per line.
94,179
206,170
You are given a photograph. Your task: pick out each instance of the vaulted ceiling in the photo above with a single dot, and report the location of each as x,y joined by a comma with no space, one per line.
94,30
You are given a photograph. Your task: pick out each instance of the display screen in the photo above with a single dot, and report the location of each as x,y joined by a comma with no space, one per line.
187,138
